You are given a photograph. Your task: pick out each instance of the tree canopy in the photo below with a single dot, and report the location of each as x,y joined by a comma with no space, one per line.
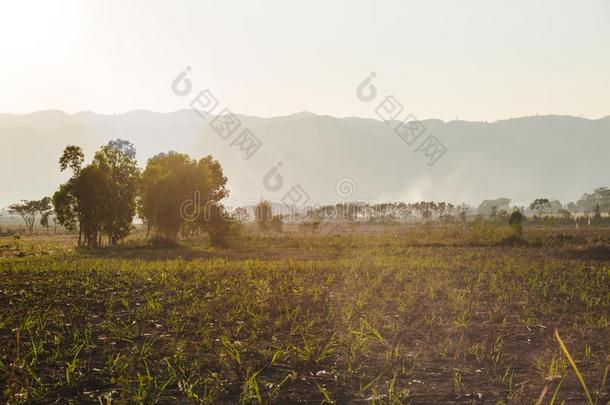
540,205
180,193
101,197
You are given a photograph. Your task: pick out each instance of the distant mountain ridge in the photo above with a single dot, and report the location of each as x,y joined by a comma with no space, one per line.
54,119
551,156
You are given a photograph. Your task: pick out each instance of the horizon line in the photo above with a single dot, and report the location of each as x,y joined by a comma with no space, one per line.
302,112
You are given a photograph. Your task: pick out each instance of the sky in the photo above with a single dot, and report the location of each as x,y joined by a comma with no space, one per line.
472,59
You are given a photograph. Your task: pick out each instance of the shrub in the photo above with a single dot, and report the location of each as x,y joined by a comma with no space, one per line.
516,223
222,227
277,224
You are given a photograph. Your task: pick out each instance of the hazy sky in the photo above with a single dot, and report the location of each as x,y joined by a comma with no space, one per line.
481,60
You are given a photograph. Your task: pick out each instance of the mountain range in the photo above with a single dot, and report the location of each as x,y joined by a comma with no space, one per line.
330,159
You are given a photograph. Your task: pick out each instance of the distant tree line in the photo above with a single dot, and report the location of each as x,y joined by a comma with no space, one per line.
178,196
495,210
593,205
389,212
596,202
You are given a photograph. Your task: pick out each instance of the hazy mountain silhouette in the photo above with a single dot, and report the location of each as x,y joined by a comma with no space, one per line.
523,158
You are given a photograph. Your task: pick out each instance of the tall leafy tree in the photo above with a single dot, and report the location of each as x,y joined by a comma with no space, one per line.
179,192
90,189
117,160
101,197
65,203
65,206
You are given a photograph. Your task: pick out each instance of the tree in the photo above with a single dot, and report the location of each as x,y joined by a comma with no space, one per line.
588,202
487,206
555,205
100,198
176,192
72,157
263,214
540,205
516,222
46,209
90,189
276,223
241,214
425,209
64,205
564,214
28,209
118,161
404,211
602,194
44,219
462,212
220,225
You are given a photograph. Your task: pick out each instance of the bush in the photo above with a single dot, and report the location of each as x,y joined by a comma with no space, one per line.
222,227
516,223
226,235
